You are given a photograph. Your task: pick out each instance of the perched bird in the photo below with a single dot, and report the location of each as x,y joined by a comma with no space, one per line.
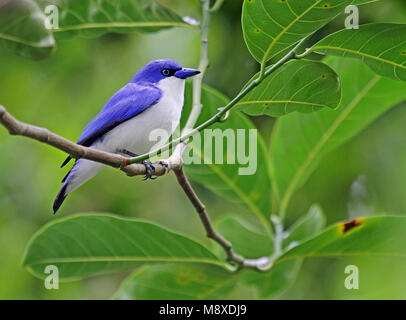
153,99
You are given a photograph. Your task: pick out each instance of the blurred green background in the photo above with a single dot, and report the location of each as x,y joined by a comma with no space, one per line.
366,176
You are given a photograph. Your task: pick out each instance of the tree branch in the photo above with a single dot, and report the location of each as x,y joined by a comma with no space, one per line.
208,226
203,65
217,5
16,127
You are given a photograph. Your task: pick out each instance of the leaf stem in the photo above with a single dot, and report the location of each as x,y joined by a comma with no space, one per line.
219,115
278,238
203,65
217,5
204,217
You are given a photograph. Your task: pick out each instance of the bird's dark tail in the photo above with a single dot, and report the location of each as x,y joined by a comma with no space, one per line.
60,198
82,171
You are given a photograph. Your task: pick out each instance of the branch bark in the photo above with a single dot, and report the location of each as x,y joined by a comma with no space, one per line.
16,127
204,217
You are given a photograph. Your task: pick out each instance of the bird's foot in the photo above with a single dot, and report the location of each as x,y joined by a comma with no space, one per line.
165,164
149,168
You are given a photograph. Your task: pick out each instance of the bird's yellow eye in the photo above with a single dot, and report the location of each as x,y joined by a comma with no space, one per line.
166,72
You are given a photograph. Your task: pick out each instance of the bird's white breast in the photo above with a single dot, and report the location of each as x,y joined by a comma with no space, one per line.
145,131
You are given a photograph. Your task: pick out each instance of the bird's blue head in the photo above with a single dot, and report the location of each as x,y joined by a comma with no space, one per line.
158,70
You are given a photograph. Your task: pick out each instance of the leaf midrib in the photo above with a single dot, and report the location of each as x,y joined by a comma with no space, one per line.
125,259
281,101
276,39
314,152
363,54
122,25
341,254
25,42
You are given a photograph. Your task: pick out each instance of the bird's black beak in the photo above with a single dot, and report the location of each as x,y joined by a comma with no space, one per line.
185,73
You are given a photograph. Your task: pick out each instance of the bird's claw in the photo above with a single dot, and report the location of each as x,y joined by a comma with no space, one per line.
165,165
149,168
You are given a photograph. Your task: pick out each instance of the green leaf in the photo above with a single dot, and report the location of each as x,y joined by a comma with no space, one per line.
309,225
195,281
93,18
22,29
86,245
382,46
301,85
249,239
374,236
272,26
226,179
282,275
299,140
177,282
22,22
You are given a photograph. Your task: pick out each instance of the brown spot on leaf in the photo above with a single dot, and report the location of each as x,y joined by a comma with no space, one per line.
347,226
184,276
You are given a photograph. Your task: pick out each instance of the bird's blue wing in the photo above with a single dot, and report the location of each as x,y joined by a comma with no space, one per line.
126,103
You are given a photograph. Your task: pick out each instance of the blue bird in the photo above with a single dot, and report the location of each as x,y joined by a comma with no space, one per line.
152,100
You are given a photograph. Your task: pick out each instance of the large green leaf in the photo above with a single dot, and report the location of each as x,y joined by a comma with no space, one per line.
253,191
86,245
212,282
249,240
374,236
92,18
299,140
272,26
22,22
300,85
382,46
22,29
177,282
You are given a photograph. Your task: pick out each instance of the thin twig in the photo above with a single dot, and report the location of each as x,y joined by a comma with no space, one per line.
257,264
203,65
278,237
176,157
217,5
204,217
